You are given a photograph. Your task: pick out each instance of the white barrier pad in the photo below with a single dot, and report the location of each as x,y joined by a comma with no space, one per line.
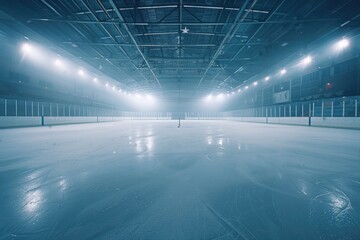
12,121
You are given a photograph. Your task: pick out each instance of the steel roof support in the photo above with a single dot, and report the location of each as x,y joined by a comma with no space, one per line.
233,27
133,40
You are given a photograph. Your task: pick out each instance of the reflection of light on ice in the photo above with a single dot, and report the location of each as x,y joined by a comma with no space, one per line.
339,203
149,144
209,140
138,146
304,189
33,200
63,184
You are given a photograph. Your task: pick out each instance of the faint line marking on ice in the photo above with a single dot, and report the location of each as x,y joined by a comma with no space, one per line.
226,225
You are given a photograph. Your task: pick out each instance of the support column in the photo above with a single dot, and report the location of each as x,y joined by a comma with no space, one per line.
5,107
313,109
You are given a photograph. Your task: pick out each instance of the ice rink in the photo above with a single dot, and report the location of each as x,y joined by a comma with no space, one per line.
205,180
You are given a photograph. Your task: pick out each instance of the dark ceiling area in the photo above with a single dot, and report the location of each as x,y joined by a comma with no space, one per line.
191,47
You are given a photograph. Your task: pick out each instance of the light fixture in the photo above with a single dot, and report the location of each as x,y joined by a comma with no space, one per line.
342,44
255,83
58,63
106,84
81,72
149,97
95,79
283,71
246,87
267,78
239,90
113,88
306,61
26,48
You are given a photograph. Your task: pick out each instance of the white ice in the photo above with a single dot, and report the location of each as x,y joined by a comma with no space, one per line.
205,180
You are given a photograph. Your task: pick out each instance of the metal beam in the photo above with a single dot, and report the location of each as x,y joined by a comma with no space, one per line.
253,35
226,38
133,40
141,45
246,22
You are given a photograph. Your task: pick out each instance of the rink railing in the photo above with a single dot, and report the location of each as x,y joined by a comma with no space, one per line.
335,107
337,112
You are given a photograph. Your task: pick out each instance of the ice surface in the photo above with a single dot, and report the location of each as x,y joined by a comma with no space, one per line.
205,180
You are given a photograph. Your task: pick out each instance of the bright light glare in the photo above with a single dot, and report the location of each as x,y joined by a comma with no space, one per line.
106,84
306,61
81,72
343,43
267,78
255,83
149,97
137,95
26,48
120,90
233,92
246,87
58,63
95,79
220,95
209,97
239,90
283,71
113,87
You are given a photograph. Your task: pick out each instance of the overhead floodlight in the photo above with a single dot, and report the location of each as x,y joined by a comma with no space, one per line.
255,83
342,44
58,63
81,72
106,84
113,88
209,97
306,61
221,95
149,97
267,78
228,94
95,79
239,90
283,71
246,87
26,48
